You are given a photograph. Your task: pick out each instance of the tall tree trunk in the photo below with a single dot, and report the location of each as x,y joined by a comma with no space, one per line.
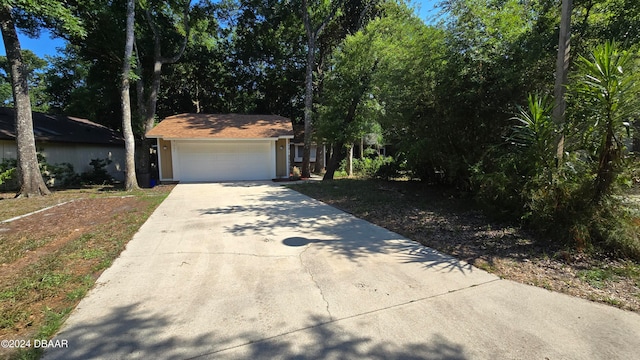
158,61
149,117
319,165
131,182
349,166
606,164
148,110
338,152
196,101
152,104
308,107
562,71
29,176
337,155
312,38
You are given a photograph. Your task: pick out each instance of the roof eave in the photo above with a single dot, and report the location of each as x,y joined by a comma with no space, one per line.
220,139
217,138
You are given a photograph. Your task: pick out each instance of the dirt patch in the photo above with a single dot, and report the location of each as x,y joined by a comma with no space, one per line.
31,237
48,260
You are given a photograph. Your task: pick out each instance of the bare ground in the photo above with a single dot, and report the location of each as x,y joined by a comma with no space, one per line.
49,259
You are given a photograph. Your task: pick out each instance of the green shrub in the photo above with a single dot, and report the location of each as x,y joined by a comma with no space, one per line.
630,177
605,92
392,169
580,202
7,170
58,175
615,228
368,166
98,175
515,179
63,175
498,186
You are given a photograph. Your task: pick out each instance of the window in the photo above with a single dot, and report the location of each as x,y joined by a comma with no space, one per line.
299,151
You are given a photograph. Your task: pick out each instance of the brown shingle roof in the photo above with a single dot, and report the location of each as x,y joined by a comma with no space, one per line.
222,126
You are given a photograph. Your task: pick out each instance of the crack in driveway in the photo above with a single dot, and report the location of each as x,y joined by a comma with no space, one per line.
308,270
333,320
226,253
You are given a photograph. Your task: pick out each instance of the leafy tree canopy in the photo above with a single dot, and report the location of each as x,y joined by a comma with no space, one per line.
58,16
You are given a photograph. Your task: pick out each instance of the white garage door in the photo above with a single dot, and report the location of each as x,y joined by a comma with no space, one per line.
224,160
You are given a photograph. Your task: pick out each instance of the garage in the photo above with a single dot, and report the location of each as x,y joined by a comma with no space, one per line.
222,147
199,161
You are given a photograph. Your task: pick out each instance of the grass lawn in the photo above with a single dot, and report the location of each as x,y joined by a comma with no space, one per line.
50,259
436,218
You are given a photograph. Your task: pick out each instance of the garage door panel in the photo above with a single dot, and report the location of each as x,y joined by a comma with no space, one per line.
224,161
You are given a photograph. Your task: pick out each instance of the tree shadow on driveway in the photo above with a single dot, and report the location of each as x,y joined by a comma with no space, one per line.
408,253
130,332
332,341
127,332
278,213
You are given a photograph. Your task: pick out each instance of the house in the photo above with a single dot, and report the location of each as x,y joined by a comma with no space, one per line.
297,149
222,147
368,141
65,139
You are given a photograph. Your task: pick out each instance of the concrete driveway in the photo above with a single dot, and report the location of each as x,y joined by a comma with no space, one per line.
254,270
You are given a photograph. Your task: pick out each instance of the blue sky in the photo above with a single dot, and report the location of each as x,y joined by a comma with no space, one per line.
47,46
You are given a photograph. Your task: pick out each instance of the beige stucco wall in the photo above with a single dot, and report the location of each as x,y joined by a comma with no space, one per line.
166,163
78,155
281,158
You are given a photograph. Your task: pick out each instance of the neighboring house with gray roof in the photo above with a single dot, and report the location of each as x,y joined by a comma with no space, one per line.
65,139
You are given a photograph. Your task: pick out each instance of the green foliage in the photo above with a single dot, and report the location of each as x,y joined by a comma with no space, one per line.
607,87
96,60
6,174
65,80
35,68
495,185
369,166
62,175
348,103
56,15
50,173
488,28
598,276
7,170
614,226
383,78
534,132
574,204
392,169
99,174
512,178
491,54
